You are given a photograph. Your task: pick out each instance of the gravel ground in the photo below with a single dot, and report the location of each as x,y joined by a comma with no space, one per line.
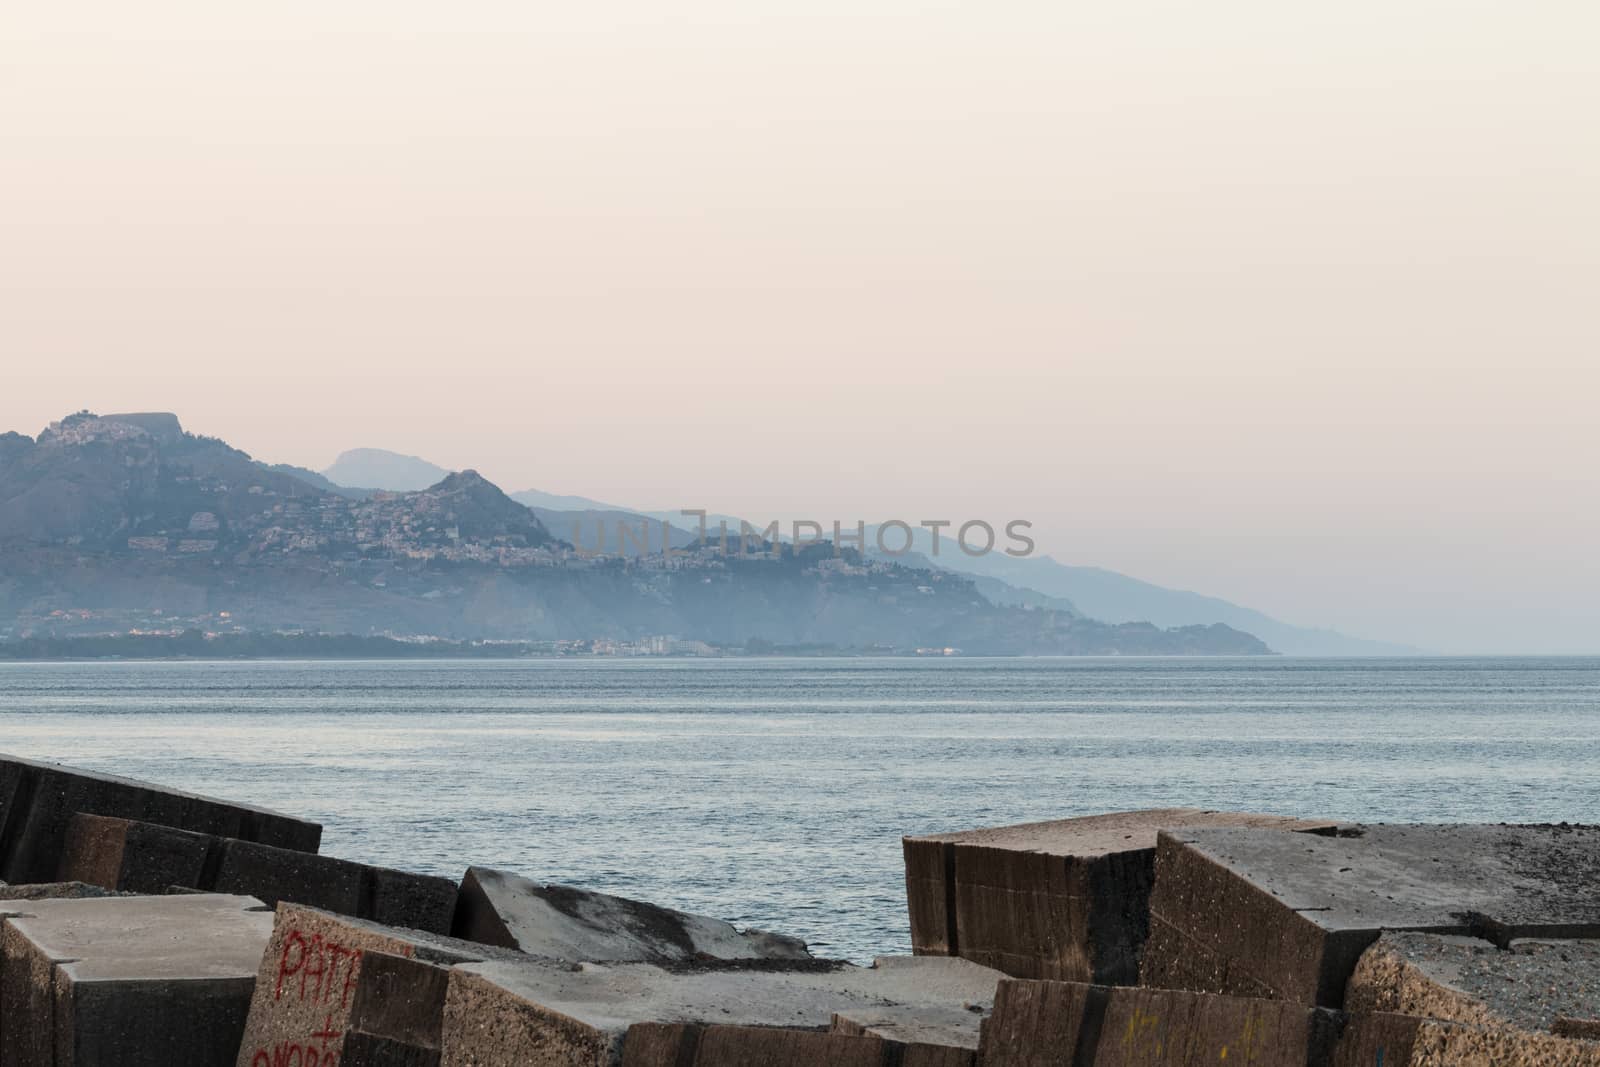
1528,984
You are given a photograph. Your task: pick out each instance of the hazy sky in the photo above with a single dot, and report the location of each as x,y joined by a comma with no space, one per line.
1292,303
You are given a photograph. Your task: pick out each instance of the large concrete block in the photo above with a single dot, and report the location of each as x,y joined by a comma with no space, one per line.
326,979
1526,985
533,1013
1072,1024
38,800
497,908
147,858
1287,916
128,980
1383,1040
394,898
1067,899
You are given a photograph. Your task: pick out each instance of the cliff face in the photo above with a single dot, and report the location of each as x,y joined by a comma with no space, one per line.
375,468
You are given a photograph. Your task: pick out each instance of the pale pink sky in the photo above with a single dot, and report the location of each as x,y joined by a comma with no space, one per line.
1289,303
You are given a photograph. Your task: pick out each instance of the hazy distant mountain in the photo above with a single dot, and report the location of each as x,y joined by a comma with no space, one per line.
127,525
633,533
1041,581
1113,597
320,481
1037,581
534,498
1021,596
1033,581
609,530
375,468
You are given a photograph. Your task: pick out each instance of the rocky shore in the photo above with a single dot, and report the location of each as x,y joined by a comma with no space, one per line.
144,925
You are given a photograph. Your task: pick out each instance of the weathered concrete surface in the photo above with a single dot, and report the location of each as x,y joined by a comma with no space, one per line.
396,1013
689,1045
1376,1040
1287,916
50,891
367,1050
916,1038
1067,899
38,800
135,857
1586,1029
129,980
314,989
1383,1040
1167,1027
539,1012
1072,1024
147,858
1043,1024
498,908
391,897
1529,984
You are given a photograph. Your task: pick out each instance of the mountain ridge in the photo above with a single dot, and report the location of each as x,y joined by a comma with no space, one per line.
378,468
130,526
1094,592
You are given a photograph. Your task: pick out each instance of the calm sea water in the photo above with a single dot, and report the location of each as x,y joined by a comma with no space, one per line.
774,792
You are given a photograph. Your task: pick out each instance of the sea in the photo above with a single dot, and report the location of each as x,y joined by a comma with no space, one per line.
775,792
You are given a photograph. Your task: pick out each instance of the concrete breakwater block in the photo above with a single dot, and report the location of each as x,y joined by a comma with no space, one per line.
38,800
335,988
147,858
498,908
128,980
1528,985
1386,1040
1288,916
1066,899
1073,1024
539,1012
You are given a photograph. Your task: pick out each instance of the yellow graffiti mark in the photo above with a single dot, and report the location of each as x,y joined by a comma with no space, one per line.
1139,1025
1251,1039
